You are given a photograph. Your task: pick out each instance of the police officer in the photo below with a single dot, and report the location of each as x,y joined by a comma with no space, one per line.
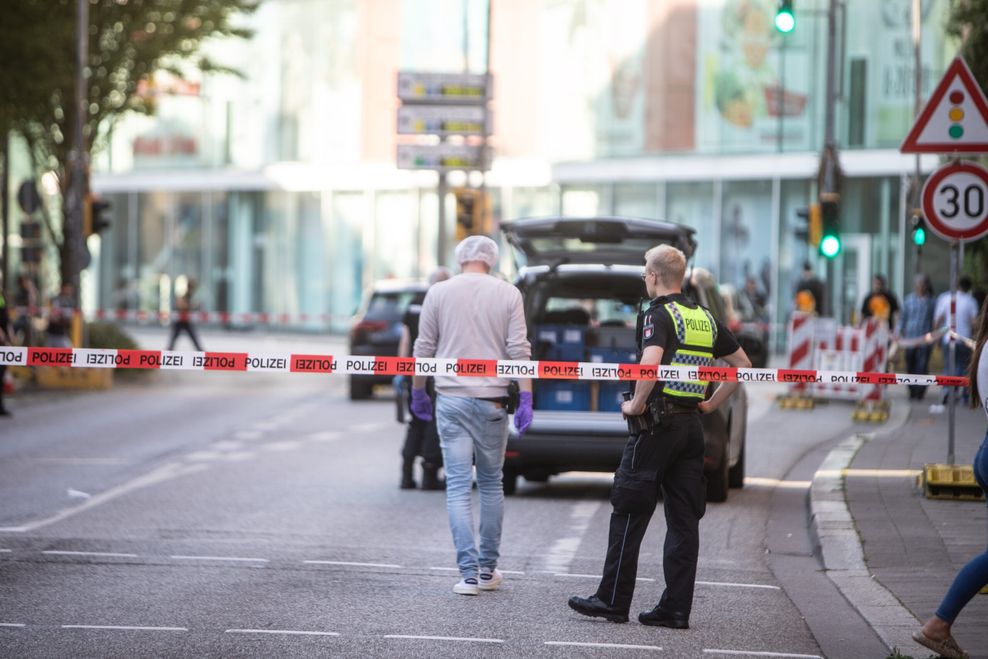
421,437
665,448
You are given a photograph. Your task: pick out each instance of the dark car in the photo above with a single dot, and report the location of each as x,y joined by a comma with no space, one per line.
376,328
582,287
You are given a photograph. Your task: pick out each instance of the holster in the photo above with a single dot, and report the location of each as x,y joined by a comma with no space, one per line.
638,423
514,396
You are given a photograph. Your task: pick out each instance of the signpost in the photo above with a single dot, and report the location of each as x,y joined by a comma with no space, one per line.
444,105
955,197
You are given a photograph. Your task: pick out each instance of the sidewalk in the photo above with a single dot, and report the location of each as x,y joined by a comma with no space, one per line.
911,546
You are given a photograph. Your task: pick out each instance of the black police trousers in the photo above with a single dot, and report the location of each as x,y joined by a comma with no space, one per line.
422,438
670,457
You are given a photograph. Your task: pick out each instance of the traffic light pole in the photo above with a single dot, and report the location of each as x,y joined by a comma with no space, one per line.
442,190
77,178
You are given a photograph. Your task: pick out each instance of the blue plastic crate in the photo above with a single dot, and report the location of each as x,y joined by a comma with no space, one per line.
562,395
611,356
562,342
610,394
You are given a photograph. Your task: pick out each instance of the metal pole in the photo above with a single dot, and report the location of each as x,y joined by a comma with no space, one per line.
952,352
5,210
828,129
782,90
917,103
441,241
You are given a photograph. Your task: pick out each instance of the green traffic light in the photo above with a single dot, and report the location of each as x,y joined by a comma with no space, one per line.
830,246
785,22
919,236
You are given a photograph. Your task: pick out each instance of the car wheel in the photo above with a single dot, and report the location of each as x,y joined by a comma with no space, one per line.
510,481
736,473
360,390
717,482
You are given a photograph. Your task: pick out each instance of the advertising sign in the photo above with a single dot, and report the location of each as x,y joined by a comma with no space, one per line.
441,157
421,87
443,120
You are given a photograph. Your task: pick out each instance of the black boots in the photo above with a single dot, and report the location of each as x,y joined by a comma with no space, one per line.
407,482
430,477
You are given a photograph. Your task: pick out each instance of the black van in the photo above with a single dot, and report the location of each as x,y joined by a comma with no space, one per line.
582,286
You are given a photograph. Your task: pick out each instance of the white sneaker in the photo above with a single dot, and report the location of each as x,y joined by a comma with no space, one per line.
490,579
467,586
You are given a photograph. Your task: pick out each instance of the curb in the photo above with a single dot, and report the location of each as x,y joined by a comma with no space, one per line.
843,556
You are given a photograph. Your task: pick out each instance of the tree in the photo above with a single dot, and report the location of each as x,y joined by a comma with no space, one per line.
128,41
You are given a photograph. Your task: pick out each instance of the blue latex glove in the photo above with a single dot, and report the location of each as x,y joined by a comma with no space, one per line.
397,381
421,405
523,415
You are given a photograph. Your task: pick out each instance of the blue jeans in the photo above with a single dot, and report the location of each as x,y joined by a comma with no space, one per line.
472,429
973,576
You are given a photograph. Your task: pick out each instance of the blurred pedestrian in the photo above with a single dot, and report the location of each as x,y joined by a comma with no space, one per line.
5,340
473,315
915,323
881,302
751,302
421,437
665,449
810,294
60,313
25,308
185,305
936,632
966,312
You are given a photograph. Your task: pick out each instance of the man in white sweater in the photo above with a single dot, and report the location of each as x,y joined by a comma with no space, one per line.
473,316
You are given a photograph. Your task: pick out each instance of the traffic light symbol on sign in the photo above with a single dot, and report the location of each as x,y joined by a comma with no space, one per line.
830,236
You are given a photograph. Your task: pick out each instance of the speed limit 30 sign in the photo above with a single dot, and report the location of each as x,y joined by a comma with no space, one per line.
955,201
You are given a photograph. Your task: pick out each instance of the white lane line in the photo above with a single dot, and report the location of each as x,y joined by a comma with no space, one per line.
564,549
160,475
279,631
6,551
748,653
325,436
725,584
107,554
219,558
83,461
453,569
388,565
446,638
616,646
595,576
247,435
283,445
128,628
11,624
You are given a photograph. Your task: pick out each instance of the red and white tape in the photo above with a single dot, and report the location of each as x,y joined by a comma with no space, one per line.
371,365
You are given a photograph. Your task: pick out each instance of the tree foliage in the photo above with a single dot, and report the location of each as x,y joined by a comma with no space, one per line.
969,22
128,41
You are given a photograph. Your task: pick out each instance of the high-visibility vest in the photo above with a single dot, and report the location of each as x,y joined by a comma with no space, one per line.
696,332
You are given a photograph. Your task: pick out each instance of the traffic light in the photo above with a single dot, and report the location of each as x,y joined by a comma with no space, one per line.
471,213
830,233
811,233
785,19
919,231
95,216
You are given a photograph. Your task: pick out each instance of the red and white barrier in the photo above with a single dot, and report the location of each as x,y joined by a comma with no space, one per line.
801,345
876,345
371,365
843,351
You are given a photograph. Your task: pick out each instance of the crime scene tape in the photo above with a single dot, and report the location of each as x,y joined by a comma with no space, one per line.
408,366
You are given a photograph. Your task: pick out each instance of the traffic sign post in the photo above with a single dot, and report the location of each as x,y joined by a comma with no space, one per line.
955,196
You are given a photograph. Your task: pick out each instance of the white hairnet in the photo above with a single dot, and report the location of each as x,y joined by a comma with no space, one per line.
477,248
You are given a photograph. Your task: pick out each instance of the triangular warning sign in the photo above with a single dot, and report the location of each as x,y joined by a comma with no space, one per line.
955,119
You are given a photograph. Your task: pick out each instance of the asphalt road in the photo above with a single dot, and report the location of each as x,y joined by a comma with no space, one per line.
218,514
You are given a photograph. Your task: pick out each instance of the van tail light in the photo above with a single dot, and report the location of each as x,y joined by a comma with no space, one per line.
368,326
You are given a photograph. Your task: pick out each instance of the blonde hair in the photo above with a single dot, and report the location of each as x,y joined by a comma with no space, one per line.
668,263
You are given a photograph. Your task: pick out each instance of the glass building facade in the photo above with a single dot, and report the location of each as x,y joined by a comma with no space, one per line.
277,191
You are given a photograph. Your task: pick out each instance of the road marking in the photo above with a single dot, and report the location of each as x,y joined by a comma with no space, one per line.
736,585
284,445
616,646
228,445
11,624
127,628
219,558
237,456
594,576
99,462
247,434
747,653
370,426
388,565
5,551
159,475
279,631
454,569
325,436
564,549
446,638
202,456
512,572
107,554
755,481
